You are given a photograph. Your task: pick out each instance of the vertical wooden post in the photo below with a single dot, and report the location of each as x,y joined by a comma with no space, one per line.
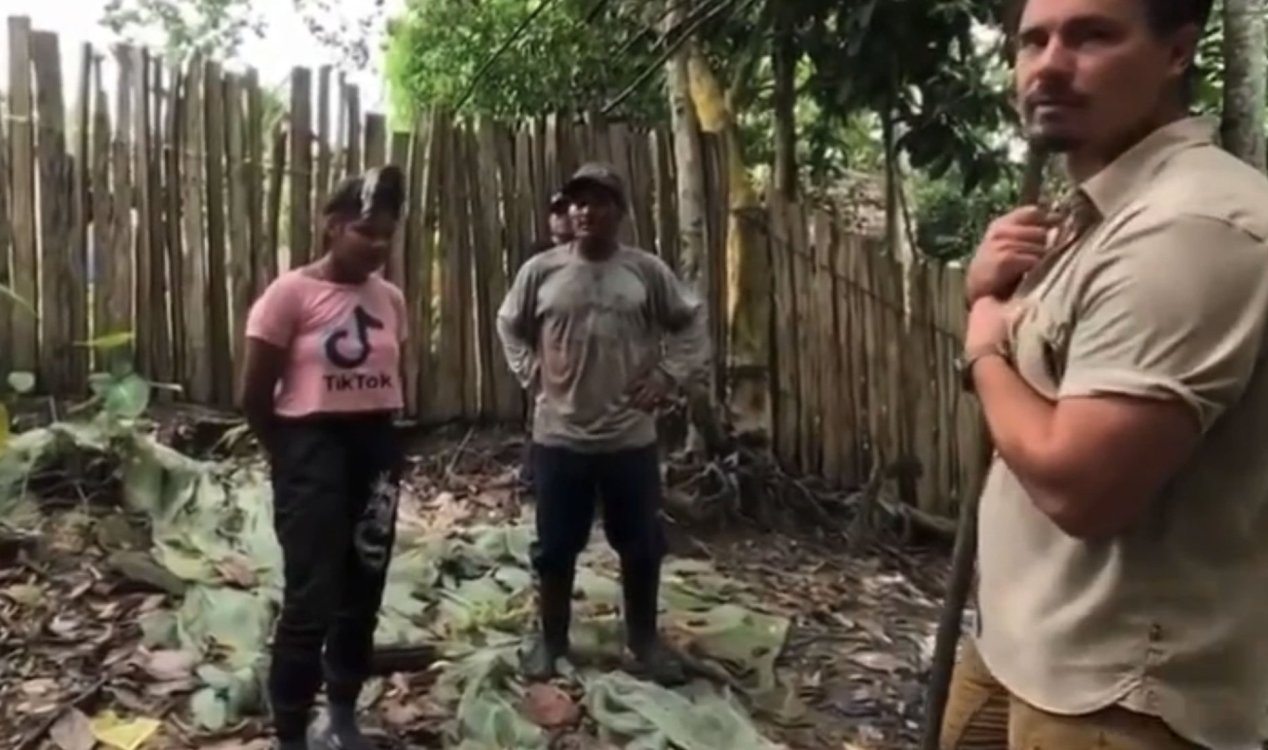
25,271
219,324
301,224
56,283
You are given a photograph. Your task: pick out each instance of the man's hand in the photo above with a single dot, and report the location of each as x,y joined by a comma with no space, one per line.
1013,244
647,392
987,326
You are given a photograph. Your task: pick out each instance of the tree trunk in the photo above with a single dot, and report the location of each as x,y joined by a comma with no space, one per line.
747,262
1242,130
888,142
688,156
785,70
707,433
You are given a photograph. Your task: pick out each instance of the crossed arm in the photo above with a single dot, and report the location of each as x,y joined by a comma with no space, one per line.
1167,334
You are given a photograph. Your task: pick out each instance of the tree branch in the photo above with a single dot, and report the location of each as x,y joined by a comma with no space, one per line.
718,8
502,48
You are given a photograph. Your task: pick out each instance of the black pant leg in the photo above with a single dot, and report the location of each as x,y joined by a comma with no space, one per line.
309,475
373,492
630,485
565,484
629,482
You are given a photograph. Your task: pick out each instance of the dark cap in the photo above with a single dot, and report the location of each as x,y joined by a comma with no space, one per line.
381,189
595,174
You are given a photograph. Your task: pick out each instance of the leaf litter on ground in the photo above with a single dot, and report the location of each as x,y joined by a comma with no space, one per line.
791,644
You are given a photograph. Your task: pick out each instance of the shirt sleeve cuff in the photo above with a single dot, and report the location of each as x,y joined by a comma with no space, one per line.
1138,384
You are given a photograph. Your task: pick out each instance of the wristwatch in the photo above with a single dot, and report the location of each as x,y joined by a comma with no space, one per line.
964,363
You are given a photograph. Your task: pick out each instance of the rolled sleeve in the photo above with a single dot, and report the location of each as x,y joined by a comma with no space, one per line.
274,318
1171,308
681,315
515,320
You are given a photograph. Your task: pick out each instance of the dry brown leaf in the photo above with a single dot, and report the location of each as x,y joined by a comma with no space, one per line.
401,714
65,625
236,744
239,571
27,595
39,686
445,512
878,662
151,602
549,707
169,666
165,689
80,589
72,731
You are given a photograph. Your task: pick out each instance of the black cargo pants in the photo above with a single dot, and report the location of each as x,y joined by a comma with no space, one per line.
569,485
335,487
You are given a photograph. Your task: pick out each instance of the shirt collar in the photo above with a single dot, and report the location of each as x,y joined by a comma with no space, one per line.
1122,179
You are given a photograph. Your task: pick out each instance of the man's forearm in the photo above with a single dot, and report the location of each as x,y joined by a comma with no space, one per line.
260,418
1021,425
521,358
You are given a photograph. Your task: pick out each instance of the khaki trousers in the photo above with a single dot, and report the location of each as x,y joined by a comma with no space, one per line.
982,715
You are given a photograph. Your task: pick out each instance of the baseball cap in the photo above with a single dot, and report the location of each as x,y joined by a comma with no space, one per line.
595,174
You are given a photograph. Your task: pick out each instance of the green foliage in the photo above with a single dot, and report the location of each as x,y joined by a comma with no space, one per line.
213,28
570,58
923,66
1208,93
951,220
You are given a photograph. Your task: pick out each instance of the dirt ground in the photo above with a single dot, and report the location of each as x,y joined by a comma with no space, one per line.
860,641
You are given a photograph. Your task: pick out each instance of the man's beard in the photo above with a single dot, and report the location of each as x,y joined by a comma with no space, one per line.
1052,142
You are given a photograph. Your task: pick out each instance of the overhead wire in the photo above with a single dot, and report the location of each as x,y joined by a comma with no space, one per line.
690,27
502,48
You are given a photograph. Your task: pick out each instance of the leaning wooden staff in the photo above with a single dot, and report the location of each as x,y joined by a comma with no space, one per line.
964,554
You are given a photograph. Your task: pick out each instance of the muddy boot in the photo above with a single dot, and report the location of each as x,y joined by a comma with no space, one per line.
654,661
551,644
338,730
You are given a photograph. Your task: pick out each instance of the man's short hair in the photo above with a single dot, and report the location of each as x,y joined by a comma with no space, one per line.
1164,16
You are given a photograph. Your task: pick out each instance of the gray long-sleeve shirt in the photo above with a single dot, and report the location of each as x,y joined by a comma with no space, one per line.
578,333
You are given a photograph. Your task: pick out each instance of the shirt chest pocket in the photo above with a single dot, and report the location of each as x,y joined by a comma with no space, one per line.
1040,339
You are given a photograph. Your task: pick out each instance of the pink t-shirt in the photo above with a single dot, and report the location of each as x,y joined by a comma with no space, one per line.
344,343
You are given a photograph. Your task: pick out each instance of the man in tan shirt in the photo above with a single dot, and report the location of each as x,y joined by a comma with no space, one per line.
1118,352
600,332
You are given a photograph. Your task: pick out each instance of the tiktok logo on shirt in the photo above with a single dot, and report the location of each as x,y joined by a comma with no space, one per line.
350,347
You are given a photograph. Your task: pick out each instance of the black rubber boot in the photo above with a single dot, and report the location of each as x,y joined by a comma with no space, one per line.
551,644
338,730
654,661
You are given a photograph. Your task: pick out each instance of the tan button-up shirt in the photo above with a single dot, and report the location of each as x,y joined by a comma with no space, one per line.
1166,296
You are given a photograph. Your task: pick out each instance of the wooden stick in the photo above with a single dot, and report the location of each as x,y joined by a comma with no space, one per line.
964,554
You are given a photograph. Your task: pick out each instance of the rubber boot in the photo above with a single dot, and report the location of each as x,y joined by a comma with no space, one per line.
338,730
551,644
654,661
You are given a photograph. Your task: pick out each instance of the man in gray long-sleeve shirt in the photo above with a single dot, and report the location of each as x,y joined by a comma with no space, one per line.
600,332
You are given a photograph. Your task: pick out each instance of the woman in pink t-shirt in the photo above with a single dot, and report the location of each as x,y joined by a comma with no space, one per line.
320,386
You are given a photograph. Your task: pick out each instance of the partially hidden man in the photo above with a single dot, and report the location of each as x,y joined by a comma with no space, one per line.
1118,351
320,387
601,333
